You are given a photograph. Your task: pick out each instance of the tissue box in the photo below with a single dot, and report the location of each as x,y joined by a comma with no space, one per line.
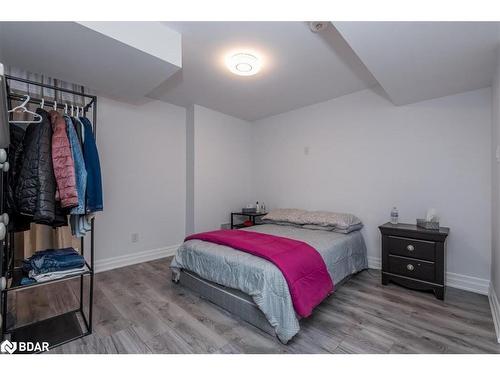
428,224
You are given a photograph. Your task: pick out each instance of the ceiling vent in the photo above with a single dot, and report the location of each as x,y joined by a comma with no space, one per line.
318,26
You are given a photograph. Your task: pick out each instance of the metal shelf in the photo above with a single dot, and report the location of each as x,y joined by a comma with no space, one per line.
56,330
18,274
68,326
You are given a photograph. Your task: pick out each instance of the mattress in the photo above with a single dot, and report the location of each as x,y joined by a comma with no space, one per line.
344,254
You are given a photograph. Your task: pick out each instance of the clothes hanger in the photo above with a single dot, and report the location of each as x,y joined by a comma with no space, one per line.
42,104
55,105
23,109
65,108
72,112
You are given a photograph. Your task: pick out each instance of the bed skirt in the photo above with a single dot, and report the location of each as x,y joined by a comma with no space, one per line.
232,300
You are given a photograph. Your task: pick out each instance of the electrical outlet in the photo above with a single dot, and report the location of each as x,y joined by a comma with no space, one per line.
134,237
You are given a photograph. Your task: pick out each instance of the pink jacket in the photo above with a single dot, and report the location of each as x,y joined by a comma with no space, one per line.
64,167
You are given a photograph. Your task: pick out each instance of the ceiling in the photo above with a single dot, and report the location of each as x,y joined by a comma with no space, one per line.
109,57
415,61
411,61
299,68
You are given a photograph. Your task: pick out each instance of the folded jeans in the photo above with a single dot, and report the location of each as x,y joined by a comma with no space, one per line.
53,260
56,274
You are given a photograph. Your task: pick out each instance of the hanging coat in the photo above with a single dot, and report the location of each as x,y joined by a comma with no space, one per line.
36,185
62,160
80,170
17,222
92,164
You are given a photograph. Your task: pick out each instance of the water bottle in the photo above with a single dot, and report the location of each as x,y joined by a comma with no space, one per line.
394,215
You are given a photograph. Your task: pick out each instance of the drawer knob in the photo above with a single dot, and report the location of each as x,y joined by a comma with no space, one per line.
410,247
410,267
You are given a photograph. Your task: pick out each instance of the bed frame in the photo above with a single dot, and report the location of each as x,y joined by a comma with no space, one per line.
232,300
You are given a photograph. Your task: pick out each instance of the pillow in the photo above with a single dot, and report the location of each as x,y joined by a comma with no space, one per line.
331,228
324,218
328,228
284,215
283,223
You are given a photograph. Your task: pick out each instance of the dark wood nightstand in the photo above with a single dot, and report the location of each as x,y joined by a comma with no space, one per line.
251,216
414,257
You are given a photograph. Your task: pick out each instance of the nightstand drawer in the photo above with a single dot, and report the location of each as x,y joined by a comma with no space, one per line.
412,248
409,267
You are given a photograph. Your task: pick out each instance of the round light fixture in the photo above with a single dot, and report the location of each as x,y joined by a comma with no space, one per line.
243,64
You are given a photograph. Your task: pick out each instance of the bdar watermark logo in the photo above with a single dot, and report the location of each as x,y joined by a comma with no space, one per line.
23,347
8,347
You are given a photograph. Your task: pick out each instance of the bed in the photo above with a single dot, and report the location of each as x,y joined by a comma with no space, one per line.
254,288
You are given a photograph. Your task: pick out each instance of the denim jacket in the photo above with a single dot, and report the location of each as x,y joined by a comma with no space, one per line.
91,157
80,170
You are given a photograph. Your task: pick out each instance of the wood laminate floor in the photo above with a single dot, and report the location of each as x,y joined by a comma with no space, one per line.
139,310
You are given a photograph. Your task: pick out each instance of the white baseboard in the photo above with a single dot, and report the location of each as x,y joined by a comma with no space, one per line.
129,259
374,263
495,310
469,283
454,280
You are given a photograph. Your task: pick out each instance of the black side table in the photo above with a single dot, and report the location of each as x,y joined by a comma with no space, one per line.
414,257
251,216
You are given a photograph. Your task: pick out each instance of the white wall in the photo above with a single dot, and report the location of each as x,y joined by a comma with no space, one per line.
495,170
367,155
190,170
142,152
222,167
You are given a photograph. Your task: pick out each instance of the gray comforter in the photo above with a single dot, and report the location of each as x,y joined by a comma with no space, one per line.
344,254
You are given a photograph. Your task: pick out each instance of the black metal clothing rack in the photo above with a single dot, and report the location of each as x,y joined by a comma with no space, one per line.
63,328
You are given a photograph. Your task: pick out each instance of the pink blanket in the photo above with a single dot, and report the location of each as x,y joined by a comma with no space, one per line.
302,266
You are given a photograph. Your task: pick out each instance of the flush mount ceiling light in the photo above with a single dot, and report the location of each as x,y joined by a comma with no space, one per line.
243,64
